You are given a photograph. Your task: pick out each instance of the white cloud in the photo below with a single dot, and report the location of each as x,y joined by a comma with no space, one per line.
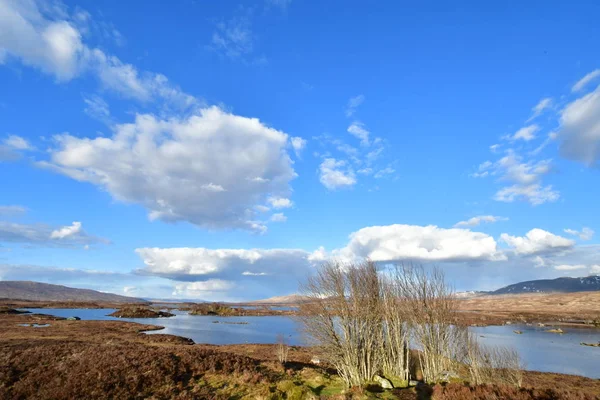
234,38
17,143
526,179
353,104
595,269
540,107
278,217
384,172
358,130
579,132
97,108
53,43
298,144
43,235
537,241
566,267
583,82
475,221
426,243
198,289
201,169
539,262
248,273
189,264
280,202
365,171
12,210
128,290
67,231
526,133
483,170
335,174
494,148
584,234
535,194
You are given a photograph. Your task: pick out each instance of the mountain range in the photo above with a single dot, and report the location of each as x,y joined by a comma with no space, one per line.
37,291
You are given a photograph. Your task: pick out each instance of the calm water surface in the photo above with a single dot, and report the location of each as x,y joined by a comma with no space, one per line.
540,350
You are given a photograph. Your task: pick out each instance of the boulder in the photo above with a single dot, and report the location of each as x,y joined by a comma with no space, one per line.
73,319
384,383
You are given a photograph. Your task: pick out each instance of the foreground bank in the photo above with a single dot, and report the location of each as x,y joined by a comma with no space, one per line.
113,359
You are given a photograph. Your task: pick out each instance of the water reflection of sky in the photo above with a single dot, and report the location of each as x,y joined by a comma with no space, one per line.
540,350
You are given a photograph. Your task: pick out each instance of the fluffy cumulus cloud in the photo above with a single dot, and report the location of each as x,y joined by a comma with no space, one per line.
422,243
278,217
298,144
17,143
12,147
47,236
201,264
67,231
210,169
335,174
579,132
476,221
279,202
53,42
585,233
536,242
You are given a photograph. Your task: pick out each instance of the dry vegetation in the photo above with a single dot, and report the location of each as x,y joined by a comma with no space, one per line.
363,321
566,308
113,359
140,312
223,310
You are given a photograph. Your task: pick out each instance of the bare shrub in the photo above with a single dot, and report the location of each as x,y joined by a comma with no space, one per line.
282,349
363,322
430,307
343,317
493,364
396,333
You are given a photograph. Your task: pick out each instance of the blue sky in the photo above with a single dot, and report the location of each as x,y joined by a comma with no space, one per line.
223,150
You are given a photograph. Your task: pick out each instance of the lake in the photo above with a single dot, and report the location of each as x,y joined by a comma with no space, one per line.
540,350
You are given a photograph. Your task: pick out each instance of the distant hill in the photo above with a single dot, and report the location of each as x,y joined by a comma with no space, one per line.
291,299
36,291
558,285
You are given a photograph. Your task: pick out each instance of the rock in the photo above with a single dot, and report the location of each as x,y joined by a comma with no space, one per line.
73,319
590,344
541,325
447,375
508,323
385,383
557,330
518,332
413,383
315,360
